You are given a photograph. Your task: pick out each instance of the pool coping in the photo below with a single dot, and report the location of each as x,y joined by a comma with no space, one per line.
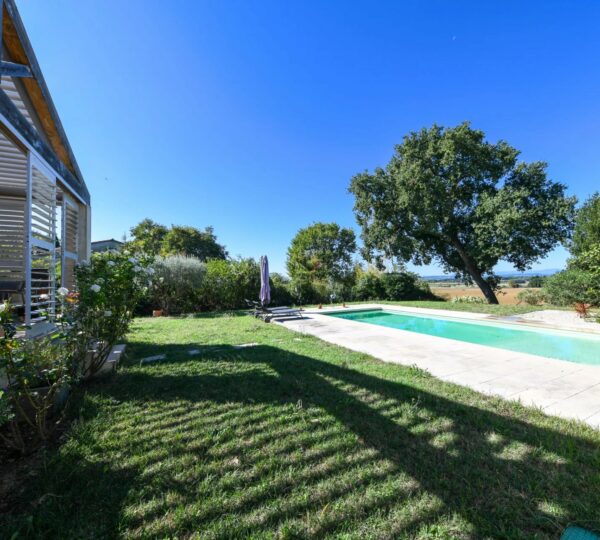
559,387
467,315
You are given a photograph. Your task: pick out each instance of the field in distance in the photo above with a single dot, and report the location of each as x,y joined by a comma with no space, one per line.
506,295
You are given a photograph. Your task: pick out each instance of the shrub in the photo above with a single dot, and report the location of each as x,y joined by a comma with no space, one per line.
177,284
108,289
309,292
536,282
532,298
572,286
280,290
514,283
405,286
228,284
469,300
37,372
369,286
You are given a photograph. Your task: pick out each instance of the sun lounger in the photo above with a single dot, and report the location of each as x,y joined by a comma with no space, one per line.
268,314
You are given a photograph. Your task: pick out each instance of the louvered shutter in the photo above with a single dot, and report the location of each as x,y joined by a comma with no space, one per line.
42,245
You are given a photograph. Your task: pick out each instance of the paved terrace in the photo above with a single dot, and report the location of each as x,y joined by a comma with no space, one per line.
560,388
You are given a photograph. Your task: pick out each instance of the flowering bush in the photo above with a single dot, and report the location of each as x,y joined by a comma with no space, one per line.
108,289
37,371
468,300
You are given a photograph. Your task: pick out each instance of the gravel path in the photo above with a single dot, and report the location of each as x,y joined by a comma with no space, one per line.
569,320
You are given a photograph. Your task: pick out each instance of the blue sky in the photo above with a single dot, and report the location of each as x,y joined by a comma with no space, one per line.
253,116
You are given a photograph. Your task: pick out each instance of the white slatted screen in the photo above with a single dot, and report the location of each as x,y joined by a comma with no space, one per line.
13,186
70,241
12,241
43,245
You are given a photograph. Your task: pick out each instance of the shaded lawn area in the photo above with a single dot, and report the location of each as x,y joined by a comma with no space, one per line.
296,438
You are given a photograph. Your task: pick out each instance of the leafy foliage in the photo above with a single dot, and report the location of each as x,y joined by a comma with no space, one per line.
536,281
369,286
154,239
448,195
193,243
148,237
572,286
322,252
587,226
177,284
37,371
228,283
108,289
468,300
531,298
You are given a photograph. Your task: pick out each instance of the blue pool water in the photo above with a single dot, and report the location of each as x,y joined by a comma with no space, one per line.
571,346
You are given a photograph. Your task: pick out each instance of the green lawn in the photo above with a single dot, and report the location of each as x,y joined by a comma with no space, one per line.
295,438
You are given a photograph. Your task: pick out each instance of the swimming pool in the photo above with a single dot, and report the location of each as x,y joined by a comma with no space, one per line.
563,345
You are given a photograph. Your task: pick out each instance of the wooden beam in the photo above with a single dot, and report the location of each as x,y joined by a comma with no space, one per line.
19,48
10,69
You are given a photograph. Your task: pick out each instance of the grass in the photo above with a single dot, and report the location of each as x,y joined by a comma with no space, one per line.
296,438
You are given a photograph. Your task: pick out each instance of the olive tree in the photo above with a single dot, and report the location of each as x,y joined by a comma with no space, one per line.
449,196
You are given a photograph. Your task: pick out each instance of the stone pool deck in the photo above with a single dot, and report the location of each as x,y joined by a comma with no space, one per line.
558,387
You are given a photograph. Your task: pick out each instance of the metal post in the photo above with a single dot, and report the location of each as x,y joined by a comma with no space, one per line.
27,242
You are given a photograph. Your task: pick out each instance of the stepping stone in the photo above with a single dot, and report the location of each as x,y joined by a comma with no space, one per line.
194,352
151,359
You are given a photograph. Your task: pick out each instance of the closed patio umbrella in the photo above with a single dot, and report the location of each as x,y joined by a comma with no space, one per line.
265,288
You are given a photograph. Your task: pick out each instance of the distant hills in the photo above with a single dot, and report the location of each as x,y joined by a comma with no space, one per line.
505,275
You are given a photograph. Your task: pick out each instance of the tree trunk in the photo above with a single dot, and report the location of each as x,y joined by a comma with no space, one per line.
475,273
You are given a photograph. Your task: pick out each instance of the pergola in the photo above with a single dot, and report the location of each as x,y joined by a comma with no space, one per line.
44,202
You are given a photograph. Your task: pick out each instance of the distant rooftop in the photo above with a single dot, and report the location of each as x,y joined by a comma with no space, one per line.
106,245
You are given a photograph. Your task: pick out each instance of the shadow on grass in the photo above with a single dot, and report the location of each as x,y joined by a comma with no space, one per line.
229,416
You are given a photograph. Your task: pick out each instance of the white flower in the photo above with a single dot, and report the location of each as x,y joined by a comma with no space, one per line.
100,280
132,260
110,263
2,307
149,284
63,291
137,268
150,270
108,313
44,297
95,288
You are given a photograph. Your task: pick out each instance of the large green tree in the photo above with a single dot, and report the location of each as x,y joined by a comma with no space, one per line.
322,252
193,242
155,239
449,196
587,226
148,236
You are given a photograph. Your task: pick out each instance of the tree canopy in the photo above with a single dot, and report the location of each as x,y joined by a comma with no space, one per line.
587,226
148,237
193,242
322,252
155,239
449,196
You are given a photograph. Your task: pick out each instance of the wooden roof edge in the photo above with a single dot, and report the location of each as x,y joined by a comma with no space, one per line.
9,110
74,175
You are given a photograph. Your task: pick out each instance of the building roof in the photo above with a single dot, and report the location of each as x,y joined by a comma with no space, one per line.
112,240
53,144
